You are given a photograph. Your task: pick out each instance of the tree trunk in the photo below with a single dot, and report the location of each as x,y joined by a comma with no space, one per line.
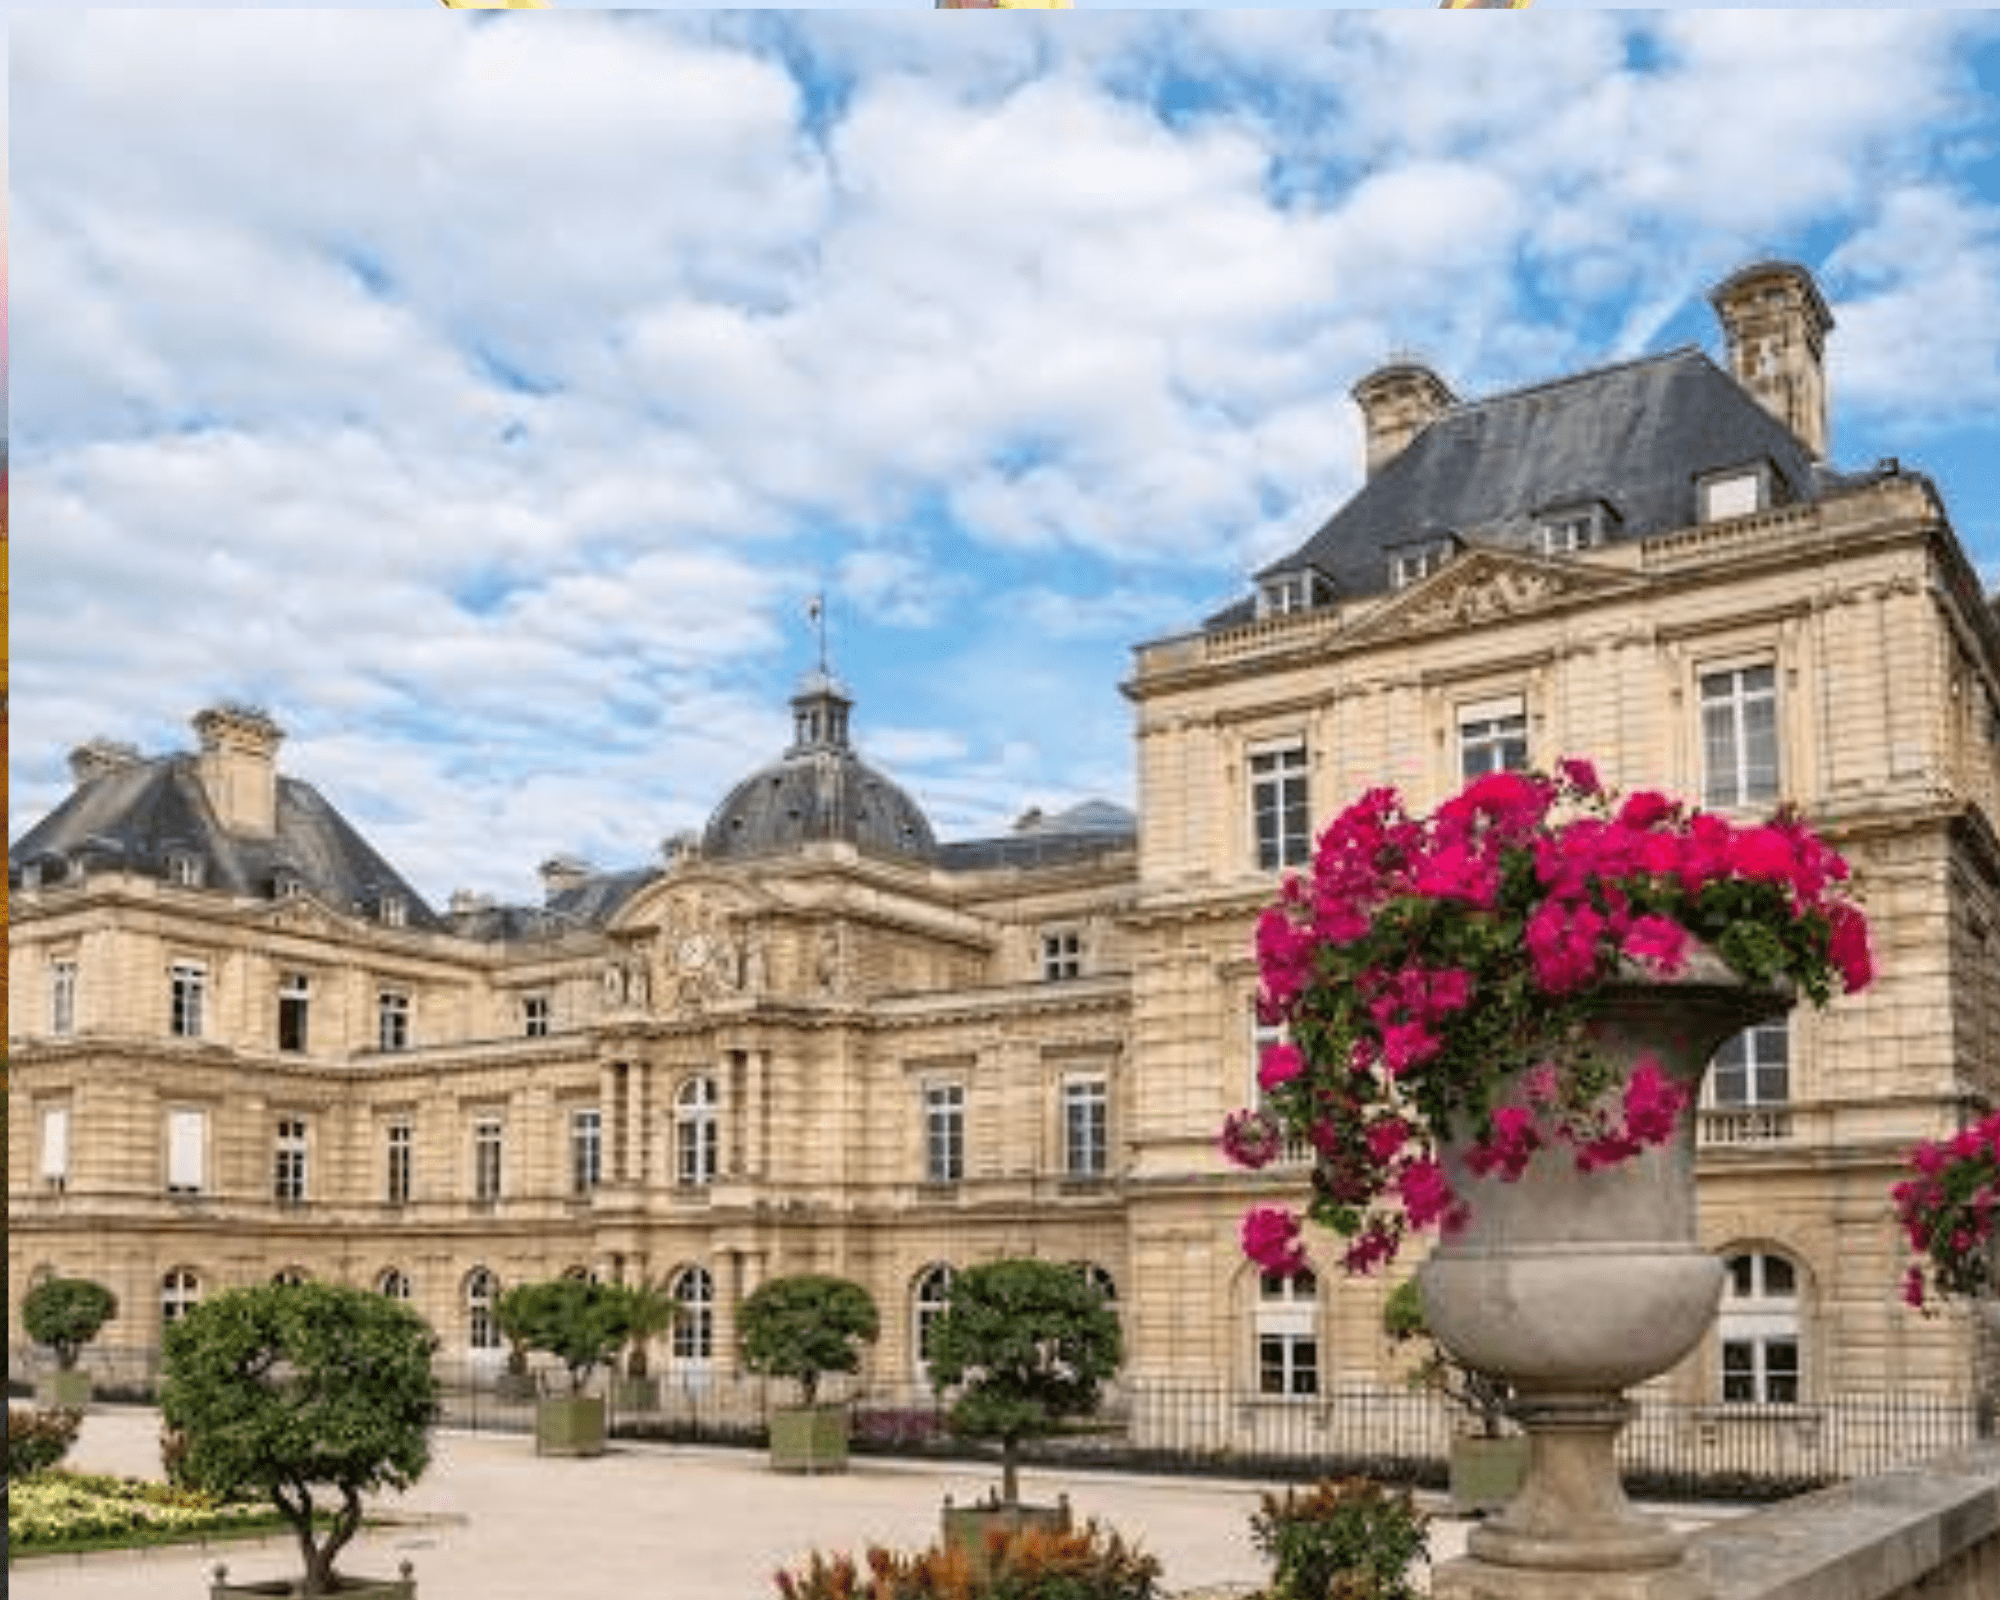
1010,1472
809,1383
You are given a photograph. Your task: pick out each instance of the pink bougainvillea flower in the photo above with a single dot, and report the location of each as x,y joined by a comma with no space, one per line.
1658,943
1280,1064
1271,1239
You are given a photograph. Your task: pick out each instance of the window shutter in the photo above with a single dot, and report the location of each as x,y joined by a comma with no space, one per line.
186,1136
55,1142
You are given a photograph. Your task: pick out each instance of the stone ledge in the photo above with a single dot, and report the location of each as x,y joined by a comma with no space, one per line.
1933,1529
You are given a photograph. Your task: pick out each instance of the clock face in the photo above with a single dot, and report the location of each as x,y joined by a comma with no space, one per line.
694,952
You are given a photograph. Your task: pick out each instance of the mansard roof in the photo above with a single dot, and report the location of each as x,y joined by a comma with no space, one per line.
141,815
1082,833
1636,436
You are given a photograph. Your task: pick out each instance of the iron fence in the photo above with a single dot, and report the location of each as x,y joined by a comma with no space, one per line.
1670,1449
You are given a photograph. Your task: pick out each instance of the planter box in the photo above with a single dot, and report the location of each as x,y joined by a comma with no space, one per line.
570,1425
224,1588
69,1390
517,1388
1486,1473
635,1394
966,1527
809,1439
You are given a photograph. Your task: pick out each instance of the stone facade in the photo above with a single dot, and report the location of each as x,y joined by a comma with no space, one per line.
815,1055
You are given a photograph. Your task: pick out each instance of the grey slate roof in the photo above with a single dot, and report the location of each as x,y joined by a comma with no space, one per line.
1082,833
138,815
1636,435
813,795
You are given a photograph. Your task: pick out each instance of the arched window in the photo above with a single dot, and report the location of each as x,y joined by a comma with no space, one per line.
289,1277
694,1328
394,1285
933,1294
482,1328
180,1293
1758,1328
697,1139
1287,1334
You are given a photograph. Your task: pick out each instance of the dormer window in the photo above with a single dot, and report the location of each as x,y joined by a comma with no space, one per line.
184,869
1570,529
286,884
1740,491
1285,593
1412,563
392,911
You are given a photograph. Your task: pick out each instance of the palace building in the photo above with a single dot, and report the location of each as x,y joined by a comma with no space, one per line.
820,1038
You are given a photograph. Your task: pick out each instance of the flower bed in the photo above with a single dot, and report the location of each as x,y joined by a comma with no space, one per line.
58,1511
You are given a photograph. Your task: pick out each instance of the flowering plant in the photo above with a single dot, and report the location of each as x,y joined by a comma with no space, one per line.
1948,1211
1442,973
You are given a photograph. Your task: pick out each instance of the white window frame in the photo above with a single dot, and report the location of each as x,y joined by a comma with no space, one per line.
400,1149
393,911
697,1133
1730,696
187,1150
1062,954
62,996
586,1149
1492,736
692,1343
1759,1331
184,869
1412,564
536,1014
294,1013
394,1284
1280,804
180,1293
392,1020
55,1145
944,1133
289,1161
1285,1329
1086,1123
489,1144
482,1320
187,998
1568,533
929,1296
1753,1068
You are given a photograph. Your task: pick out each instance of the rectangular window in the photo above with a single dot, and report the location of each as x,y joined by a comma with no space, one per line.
1062,955
1568,533
1278,806
400,1151
288,1184
62,998
294,993
393,1014
189,984
393,910
1735,494
1086,1142
55,1145
187,1146
586,1146
1411,566
535,1016
1287,1364
1493,738
486,1135
944,1133
1739,736
1754,1068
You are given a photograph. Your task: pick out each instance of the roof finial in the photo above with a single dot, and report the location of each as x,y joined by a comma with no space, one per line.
816,615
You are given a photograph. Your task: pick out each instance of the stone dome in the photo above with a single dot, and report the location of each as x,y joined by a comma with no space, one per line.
818,790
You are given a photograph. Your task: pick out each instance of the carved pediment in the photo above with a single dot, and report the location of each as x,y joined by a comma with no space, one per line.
1487,585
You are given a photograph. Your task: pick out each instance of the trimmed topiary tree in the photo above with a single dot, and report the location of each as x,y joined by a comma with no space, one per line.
582,1324
802,1326
286,1388
66,1314
1029,1345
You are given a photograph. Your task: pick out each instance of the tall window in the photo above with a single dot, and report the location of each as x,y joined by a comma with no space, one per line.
586,1149
535,1015
55,1146
1062,955
1754,1068
400,1152
1287,1337
289,1277
1278,807
189,980
486,1136
944,1133
394,1285
694,1329
187,1147
1086,1135
482,1327
697,1136
294,993
1739,736
393,1013
180,1293
1759,1329
1493,738
288,1184
62,998
932,1295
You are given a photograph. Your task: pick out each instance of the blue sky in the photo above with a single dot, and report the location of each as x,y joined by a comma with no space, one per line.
485,396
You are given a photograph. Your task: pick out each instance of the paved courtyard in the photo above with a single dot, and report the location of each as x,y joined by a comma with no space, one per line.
491,1522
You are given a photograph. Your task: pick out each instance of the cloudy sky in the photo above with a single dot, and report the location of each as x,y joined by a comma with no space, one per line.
486,395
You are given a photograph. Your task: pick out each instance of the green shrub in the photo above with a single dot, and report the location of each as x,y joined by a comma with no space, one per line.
1092,1563
38,1440
1351,1540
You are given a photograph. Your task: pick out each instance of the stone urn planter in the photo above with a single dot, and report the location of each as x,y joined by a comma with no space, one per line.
809,1439
969,1528
67,1388
1486,1473
1575,1286
569,1425
223,1587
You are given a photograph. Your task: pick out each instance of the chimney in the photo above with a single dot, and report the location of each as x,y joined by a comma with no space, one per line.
1777,325
239,767
88,762
1397,403
562,873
